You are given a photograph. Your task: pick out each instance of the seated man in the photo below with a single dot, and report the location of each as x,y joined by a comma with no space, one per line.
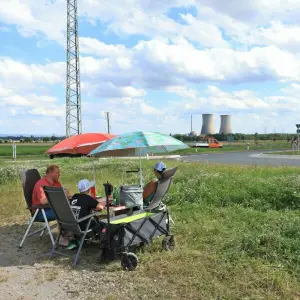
151,187
38,195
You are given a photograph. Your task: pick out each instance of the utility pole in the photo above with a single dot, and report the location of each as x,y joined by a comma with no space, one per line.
73,94
107,117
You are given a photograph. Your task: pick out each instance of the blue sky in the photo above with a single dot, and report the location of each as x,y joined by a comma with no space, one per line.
152,64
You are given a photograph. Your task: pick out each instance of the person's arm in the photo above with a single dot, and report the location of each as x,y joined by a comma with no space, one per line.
94,204
68,193
42,196
149,188
99,206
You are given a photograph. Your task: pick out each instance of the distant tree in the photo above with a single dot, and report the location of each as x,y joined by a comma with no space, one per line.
53,138
27,140
1,141
46,139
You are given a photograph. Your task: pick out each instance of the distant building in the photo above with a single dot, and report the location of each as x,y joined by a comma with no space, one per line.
207,124
225,127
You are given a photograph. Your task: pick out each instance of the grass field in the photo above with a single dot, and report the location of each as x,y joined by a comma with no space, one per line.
237,228
24,150
37,151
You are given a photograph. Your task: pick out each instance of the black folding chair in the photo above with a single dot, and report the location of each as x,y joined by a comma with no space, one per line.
66,218
163,186
29,179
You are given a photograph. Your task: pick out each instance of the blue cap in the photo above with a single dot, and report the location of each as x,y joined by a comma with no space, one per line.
84,185
159,166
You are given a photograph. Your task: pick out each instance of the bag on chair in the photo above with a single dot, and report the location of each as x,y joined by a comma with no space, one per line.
131,196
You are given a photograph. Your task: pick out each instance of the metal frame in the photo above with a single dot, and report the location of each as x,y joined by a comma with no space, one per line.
73,92
82,239
136,233
42,230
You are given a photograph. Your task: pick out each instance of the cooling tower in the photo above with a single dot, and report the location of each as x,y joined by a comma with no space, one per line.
207,124
225,124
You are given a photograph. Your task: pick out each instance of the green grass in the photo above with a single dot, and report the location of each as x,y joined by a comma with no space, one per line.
25,150
239,146
237,228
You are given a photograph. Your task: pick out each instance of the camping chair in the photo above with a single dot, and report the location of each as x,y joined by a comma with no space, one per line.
66,218
163,186
29,179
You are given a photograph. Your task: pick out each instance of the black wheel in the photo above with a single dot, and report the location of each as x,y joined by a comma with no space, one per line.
129,261
168,243
101,256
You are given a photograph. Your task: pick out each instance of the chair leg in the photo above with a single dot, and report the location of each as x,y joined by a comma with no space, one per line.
28,228
54,245
81,242
48,227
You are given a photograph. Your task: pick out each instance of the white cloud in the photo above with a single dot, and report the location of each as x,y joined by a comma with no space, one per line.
108,89
4,29
183,91
52,111
33,17
277,34
18,75
159,64
100,49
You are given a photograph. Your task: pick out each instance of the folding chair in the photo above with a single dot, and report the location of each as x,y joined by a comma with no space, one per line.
163,186
66,218
29,179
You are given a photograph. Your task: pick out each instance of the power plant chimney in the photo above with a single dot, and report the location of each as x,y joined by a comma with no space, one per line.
225,124
207,124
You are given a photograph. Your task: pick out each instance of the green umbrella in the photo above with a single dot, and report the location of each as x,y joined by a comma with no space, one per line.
137,144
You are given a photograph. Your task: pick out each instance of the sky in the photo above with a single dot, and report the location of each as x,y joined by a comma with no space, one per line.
152,64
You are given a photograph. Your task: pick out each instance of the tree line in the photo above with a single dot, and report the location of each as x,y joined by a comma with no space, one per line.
29,139
236,137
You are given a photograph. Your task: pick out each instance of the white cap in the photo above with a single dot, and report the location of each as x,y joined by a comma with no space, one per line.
159,166
84,185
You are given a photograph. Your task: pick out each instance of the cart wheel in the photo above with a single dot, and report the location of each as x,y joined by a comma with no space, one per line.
129,261
168,243
101,256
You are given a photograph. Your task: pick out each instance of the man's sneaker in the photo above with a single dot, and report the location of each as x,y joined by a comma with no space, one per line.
72,245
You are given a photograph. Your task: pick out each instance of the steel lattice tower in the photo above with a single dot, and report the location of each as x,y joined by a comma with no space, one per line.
73,94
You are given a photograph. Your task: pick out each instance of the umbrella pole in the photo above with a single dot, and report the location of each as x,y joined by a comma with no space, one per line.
94,174
141,172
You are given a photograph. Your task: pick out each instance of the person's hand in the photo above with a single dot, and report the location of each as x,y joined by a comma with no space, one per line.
100,206
68,193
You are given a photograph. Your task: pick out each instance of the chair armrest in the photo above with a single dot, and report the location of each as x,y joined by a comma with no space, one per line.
86,217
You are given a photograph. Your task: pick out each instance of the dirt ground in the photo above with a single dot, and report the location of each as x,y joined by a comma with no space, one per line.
28,273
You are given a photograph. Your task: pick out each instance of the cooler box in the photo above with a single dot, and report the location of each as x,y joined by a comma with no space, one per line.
131,196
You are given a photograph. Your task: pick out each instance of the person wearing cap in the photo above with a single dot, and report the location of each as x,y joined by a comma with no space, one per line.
83,202
151,187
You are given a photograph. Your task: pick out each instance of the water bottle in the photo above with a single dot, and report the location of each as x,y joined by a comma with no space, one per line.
93,192
116,195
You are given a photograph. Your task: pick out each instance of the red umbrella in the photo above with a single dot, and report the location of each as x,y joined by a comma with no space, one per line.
80,144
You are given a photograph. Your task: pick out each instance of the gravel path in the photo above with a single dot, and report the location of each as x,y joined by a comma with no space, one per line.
29,274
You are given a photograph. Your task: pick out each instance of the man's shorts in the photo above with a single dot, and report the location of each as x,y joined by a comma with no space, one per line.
49,215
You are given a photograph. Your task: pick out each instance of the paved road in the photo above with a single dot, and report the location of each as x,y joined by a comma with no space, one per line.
245,158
